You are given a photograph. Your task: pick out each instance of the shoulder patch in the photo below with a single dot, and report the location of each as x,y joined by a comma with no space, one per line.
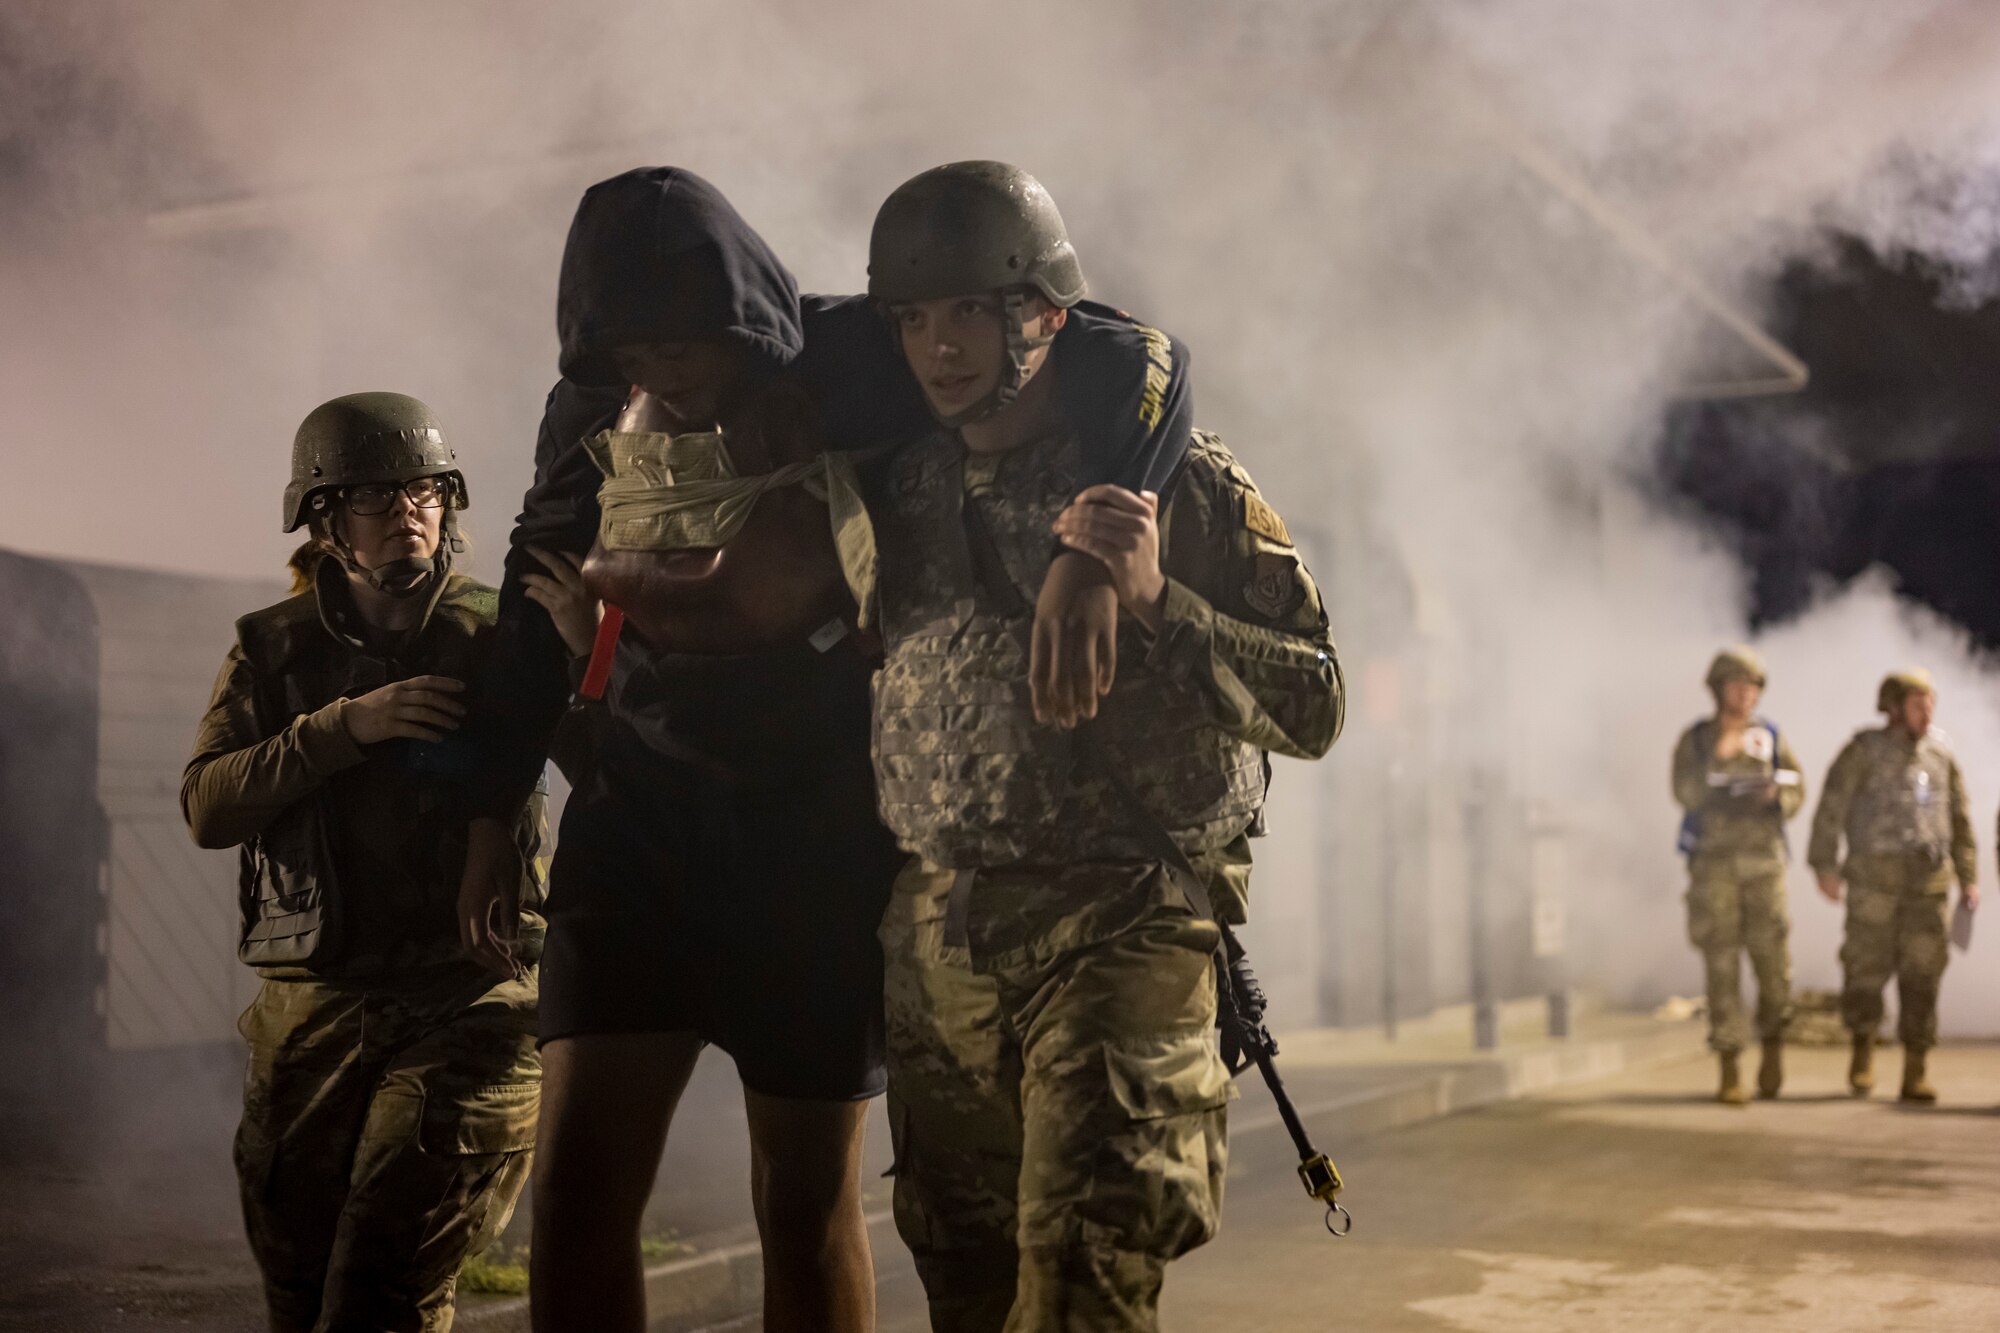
1273,590
1260,518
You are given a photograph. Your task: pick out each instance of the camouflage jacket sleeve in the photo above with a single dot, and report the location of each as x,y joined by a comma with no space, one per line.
1964,852
1690,777
1791,796
239,779
1242,615
1830,818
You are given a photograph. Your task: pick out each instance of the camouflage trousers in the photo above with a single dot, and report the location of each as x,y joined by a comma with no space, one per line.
1898,925
386,1133
1055,1094
1736,905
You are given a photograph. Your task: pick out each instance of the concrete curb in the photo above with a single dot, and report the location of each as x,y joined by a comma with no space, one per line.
1429,1094
684,1295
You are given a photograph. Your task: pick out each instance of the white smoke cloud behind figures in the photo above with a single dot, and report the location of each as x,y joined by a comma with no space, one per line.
221,213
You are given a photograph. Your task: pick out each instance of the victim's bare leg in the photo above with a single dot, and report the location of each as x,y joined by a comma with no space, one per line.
805,1181
607,1100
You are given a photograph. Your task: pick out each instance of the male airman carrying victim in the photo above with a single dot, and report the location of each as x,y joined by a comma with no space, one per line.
1056,1094
390,1102
1896,794
1739,781
722,869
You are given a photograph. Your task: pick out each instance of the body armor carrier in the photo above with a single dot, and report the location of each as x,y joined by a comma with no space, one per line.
1902,806
289,893
967,777
1731,822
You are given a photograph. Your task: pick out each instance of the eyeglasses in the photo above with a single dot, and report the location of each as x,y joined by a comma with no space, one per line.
379,497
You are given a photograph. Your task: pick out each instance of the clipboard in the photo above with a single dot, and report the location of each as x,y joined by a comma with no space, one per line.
1961,926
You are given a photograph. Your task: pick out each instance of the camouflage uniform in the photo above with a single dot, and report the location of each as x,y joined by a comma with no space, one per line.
1056,1095
1900,801
1736,875
385,1136
391,1094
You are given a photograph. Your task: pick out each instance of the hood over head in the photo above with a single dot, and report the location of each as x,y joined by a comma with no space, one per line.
657,254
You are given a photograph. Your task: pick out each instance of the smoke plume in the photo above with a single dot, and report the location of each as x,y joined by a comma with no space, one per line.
1443,266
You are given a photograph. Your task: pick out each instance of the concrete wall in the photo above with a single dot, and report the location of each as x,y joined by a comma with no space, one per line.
52,834
170,943
162,950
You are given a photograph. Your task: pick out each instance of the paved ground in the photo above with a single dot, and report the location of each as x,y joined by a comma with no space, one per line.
1633,1203
1627,1203
129,1221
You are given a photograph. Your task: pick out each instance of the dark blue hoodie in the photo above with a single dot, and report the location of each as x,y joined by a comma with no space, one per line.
659,255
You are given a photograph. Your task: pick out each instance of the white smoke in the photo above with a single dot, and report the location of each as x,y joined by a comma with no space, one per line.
1437,361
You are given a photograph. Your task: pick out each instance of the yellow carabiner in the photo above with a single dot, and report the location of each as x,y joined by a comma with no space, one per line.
1322,1180
1321,1177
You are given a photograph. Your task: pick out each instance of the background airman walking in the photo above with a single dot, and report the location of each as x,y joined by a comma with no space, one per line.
1738,781
1895,794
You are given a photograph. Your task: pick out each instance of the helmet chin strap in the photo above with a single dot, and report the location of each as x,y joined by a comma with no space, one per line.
398,578
1014,375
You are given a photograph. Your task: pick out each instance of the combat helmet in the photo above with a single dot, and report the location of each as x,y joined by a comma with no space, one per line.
372,437
1734,663
1900,685
970,227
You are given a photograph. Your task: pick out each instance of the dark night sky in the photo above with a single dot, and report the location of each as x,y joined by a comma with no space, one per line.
1891,455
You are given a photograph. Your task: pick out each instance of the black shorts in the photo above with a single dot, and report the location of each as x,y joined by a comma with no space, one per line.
747,920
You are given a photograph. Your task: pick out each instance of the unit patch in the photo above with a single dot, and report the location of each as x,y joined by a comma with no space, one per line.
1273,590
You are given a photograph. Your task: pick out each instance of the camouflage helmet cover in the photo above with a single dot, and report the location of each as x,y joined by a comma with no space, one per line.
364,437
1735,663
1900,685
971,227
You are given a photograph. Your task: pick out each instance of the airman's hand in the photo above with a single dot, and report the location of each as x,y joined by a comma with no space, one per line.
489,898
1829,885
1122,529
561,593
420,709
1969,895
1073,649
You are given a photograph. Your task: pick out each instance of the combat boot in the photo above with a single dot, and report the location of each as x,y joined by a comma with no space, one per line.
1771,1070
1860,1073
1732,1093
1916,1088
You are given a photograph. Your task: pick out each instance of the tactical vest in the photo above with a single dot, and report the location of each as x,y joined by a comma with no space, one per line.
1902,805
289,897
965,775
1725,826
